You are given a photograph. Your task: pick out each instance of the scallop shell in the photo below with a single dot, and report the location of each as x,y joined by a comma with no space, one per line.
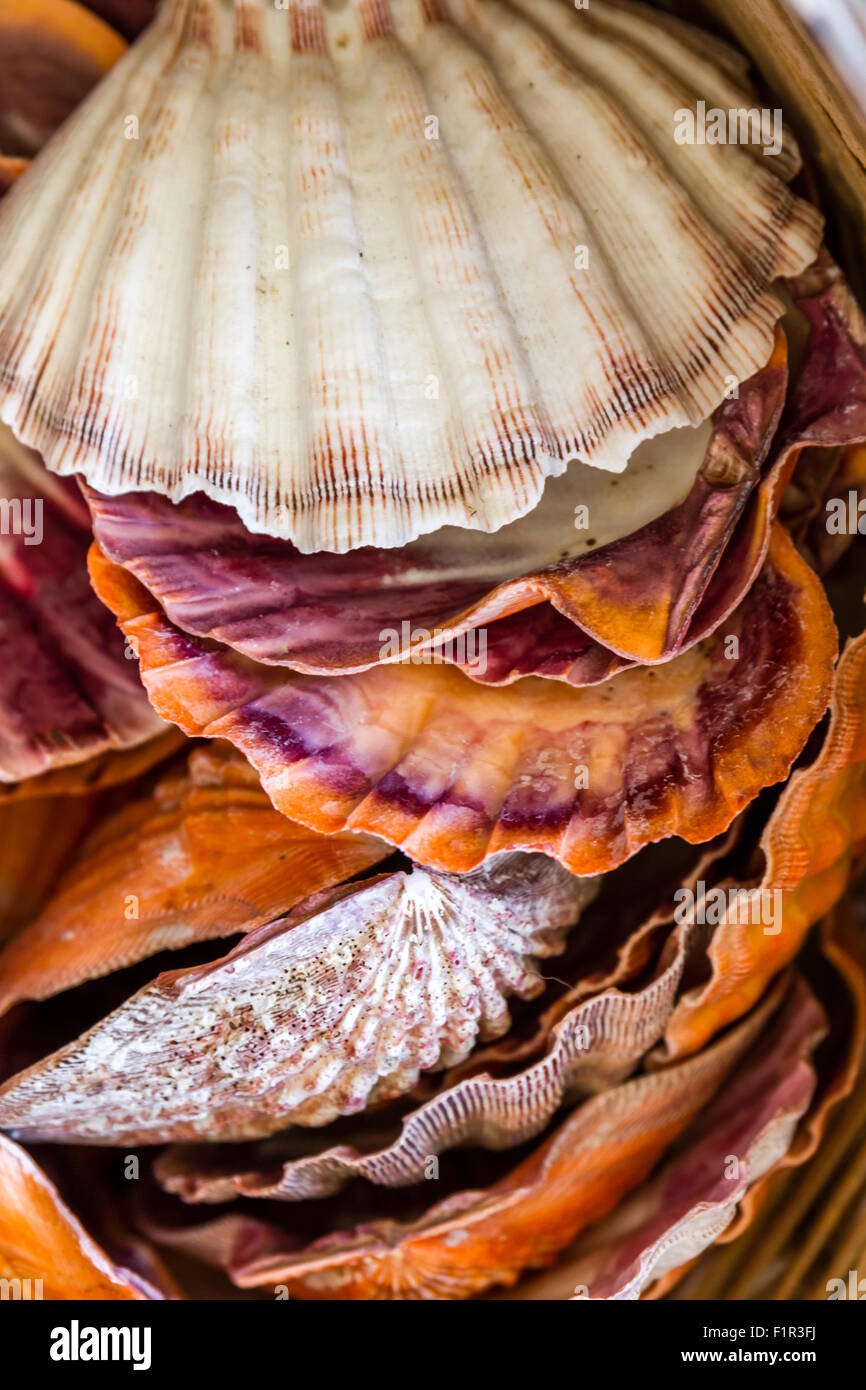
541,596
201,855
313,1016
368,273
328,614
808,846
453,771
67,690
598,1044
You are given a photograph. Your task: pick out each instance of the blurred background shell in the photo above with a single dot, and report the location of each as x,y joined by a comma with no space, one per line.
52,52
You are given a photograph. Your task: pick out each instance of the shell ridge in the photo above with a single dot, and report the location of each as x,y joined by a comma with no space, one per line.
95,391
518,443
495,1112
32,276
631,69
564,440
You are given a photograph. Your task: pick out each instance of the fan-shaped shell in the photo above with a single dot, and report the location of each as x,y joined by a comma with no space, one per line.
313,1016
368,273
541,596
453,771
590,562
332,614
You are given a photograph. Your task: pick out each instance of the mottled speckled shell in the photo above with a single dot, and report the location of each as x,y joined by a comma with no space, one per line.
344,1002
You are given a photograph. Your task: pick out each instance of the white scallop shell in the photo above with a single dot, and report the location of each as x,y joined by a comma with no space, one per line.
311,1016
364,271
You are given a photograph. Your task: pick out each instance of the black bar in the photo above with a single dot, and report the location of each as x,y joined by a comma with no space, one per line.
288,1337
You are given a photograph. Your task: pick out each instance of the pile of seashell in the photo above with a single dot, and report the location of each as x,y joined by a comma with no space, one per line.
429,470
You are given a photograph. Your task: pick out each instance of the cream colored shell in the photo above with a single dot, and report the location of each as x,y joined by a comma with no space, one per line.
312,1017
365,270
